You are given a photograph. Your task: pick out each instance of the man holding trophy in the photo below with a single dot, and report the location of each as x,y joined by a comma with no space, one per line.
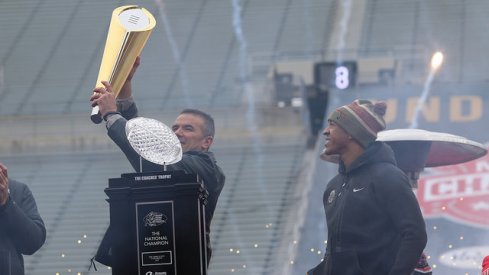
194,129
112,101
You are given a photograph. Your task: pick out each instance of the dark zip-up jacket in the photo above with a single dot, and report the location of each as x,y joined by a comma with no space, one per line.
22,230
375,225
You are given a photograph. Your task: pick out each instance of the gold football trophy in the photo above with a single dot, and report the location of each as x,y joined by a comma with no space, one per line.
130,28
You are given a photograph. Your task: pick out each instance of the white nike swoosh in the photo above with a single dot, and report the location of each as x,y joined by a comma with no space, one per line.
359,189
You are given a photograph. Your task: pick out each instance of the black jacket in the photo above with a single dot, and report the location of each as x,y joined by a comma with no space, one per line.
22,229
193,162
375,225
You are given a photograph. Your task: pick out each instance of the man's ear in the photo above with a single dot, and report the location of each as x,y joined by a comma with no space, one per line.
206,144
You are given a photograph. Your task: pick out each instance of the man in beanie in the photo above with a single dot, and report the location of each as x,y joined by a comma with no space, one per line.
375,225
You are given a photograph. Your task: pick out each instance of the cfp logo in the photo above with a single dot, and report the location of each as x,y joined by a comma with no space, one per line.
154,219
155,273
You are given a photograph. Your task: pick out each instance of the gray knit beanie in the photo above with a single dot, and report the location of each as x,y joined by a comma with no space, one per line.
361,119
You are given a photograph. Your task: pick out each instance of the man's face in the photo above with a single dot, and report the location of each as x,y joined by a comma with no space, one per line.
189,129
337,139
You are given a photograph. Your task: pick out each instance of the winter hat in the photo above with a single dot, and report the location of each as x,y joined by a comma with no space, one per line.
361,119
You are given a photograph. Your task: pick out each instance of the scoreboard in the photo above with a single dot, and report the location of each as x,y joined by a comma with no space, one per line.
335,75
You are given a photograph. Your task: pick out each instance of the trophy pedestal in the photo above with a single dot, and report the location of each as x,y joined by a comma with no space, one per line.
158,225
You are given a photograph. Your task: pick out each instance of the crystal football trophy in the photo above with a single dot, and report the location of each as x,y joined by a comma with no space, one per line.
153,141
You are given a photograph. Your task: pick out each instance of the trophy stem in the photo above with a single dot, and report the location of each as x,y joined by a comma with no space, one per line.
140,164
